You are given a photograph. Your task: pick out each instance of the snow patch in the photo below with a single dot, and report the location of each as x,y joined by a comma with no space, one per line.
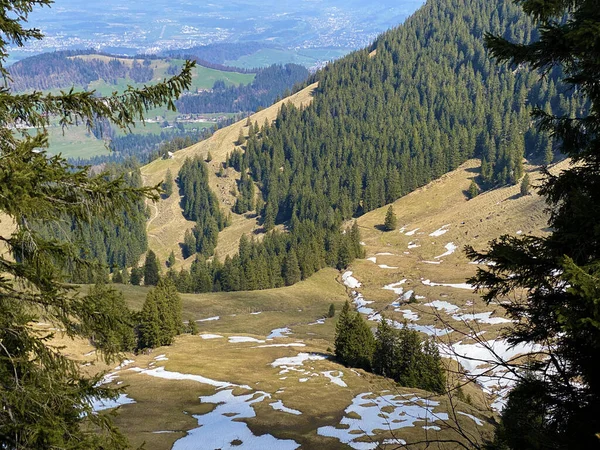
161,358
452,285
335,379
413,245
412,232
481,318
160,372
350,281
220,427
293,344
318,322
450,248
279,333
210,336
385,266
441,305
384,254
395,287
440,231
372,259
99,404
408,314
407,410
470,416
241,339
209,319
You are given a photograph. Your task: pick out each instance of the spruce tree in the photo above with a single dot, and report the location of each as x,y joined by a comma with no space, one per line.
525,185
151,269
45,398
136,276
167,185
473,190
556,276
171,259
291,269
331,311
342,330
391,221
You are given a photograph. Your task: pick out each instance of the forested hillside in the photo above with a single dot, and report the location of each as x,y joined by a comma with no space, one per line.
60,70
388,119
269,83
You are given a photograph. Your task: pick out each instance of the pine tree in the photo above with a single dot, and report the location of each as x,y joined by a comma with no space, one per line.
151,269
473,190
391,221
241,138
167,185
525,185
558,274
331,311
385,356
342,330
136,276
291,269
45,398
171,259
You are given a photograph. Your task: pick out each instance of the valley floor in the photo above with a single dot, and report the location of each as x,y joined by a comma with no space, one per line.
261,374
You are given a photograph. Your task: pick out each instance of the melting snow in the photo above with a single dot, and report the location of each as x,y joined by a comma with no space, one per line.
395,287
350,281
432,262
318,322
297,360
160,372
210,336
408,314
209,319
385,266
361,304
453,285
278,406
102,404
475,419
161,358
125,363
450,248
256,313
240,339
384,254
481,318
372,259
412,232
335,379
480,360
407,411
220,427
279,333
413,245
442,305
293,344
440,231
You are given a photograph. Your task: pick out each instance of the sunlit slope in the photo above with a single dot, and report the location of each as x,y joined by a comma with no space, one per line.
167,226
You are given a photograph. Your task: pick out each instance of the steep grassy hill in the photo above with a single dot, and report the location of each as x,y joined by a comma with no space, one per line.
167,225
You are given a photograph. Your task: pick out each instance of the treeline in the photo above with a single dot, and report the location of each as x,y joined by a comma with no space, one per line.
269,84
381,125
280,259
399,354
60,70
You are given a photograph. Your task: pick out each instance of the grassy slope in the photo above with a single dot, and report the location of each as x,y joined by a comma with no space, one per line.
167,225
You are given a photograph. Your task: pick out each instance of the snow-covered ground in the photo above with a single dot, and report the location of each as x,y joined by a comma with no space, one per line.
350,281
279,333
335,379
103,404
278,406
452,285
221,428
440,231
241,339
450,248
160,372
407,410
210,336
